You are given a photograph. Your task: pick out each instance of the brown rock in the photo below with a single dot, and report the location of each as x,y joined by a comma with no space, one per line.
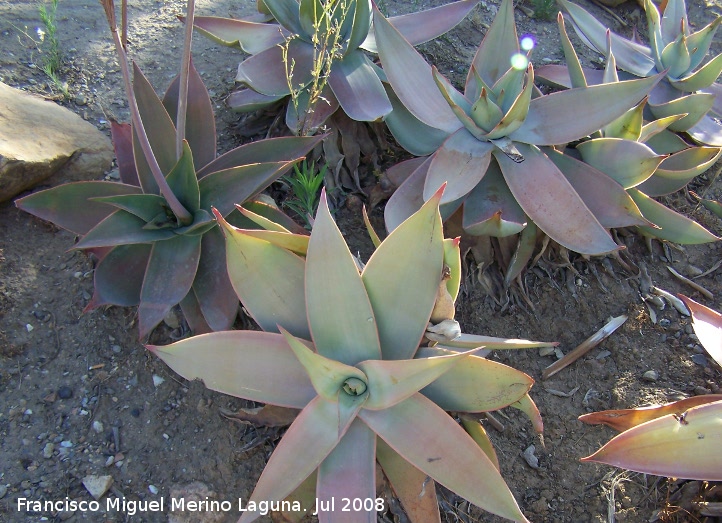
39,138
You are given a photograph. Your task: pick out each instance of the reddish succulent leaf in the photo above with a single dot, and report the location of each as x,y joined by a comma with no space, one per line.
122,228
409,197
265,72
119,276
251,37
358,88
68,206
493,57
301,118
411,133
200,119
707,325
246,100
623,419
192,313
265,416
122,136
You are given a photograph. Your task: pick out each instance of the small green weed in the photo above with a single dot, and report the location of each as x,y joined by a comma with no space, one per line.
305,182
52,57
544,9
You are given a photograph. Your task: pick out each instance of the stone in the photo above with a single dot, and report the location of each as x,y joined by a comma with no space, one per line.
97,485
40,138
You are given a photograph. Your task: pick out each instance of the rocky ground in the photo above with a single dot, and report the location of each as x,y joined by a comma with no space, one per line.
83,406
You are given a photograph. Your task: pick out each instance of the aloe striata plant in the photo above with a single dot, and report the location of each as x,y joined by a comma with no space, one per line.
315,53
153,231
493,143
342,344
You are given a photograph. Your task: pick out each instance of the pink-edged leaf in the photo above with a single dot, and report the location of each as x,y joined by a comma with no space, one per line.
274,214
349,472
200,119
265,72
414,489
159,128
629,163
340,315
263,151
552,203
307,442
408,198
411,133
461,162
361,27
477,385
675,13
475,429
402,299
681,446
268,280
679,169
119,276
707,324
491,209
212,287
605,197
707,130
392,381
623,419
192,313
667,102
422,26
251,37
170,273
253,365
122,135
305,495
469,341
122,228
358,88
411,77
493,57
223,189
423,434
548,121
246,100
297,243
529,408
68,205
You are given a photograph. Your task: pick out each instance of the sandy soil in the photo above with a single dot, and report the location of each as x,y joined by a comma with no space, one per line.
80,396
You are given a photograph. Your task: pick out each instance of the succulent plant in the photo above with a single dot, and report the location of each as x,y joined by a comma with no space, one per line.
153,231
629,150
689,88
493,143
348,355
319,45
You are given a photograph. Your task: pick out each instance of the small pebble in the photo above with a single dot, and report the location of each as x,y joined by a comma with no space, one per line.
153,489
530,458
650,375
157,380
48,450
3,491
65,392
98,426
66,444
699,359
135,412
29,327
116,349
665,322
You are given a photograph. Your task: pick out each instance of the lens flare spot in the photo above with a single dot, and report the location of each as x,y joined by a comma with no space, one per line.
519,62
527,43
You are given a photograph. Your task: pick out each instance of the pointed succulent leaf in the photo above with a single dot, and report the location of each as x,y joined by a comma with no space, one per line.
628,126
122,228
144,206
349,472
269,211
251,37
411,133
677,170
296,243
69,205
707,131
476,430
604,196
373,236
402,301
461,162
632,57
523,253
305,495
702,78
315,432
707,325
662,141
177,256
223,189
624,419
684,446
485,113
423,26
452,259
266,72
411,77
469,341
327,376
122,138
516,114
610,67
423,434
493,57
547,122
452,96
257,366
392,381
529,408
246,100
118,277
700,42
412,487
200,130
508,87
358,88
629,163
574,225
672,226
491,209
340,315
712,206
695,106
675,56
268,280
361,25
286,12
574,66
183,182
477,385
408,198
202,222
261,221
674,14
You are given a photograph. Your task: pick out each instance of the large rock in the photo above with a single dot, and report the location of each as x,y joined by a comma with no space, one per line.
38,138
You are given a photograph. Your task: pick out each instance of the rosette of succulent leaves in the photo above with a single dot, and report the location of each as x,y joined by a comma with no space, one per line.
313,53
341,342
629,150
689,86
157,242
495,145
